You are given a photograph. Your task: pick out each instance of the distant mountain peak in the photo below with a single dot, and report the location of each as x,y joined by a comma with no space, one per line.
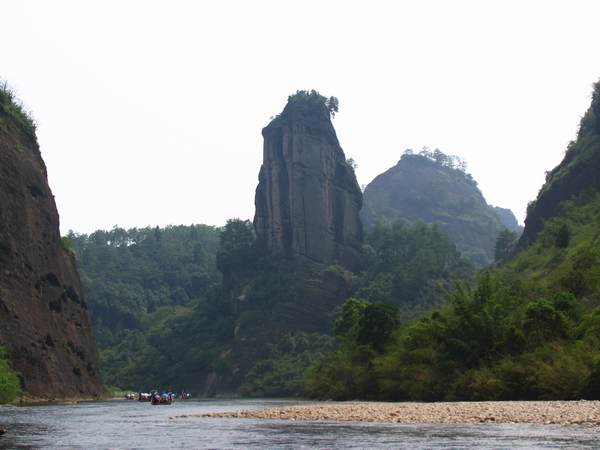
433,187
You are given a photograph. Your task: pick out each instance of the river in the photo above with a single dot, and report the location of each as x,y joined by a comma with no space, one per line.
130,424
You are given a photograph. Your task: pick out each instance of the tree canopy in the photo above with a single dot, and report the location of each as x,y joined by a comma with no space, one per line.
331,104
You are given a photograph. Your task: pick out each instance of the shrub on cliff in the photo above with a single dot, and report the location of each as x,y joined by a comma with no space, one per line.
10,386
332,104
11,106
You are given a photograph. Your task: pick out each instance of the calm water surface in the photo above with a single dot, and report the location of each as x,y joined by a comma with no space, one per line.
122,424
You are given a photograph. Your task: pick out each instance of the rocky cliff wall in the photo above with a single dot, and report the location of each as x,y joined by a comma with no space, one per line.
43,316
508,219
307,199
575,176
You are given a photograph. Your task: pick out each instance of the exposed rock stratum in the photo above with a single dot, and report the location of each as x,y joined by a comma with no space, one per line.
307,199
43,316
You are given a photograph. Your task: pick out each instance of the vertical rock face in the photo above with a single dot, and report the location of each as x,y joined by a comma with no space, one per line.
43,316
508,219
576,177
307,199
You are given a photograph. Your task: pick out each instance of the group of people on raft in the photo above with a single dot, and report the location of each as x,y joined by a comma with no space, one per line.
159,398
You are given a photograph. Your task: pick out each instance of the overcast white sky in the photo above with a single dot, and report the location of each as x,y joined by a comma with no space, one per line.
150,112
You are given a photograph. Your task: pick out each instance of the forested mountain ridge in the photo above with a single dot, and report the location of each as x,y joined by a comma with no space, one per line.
410,267
434,188
140,284
527,329
225,311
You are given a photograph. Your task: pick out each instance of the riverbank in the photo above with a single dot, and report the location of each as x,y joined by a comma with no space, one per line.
535,412
25,400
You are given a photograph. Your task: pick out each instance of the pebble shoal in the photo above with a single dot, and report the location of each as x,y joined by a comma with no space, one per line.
543,412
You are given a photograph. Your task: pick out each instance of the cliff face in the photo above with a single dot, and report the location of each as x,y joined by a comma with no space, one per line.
307,199
420,189
508,219
43,316
577,174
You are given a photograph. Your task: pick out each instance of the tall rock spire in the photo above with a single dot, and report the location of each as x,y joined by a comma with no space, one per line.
307,199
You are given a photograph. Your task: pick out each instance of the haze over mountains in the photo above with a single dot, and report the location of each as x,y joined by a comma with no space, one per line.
304,300
434,188
284,277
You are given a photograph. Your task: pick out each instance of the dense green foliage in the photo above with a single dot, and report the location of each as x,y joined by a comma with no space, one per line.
405,266
506,243
281,372
141,287
10,386
410,267
526,329
237,252
512,336
163,316
332,104
277,312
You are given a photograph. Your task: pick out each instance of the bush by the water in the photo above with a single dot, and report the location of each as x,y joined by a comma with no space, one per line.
527,330
10,386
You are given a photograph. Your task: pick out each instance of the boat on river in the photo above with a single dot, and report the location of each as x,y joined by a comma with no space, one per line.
162,399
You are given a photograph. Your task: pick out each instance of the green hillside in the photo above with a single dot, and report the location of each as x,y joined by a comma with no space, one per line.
529,329
142,285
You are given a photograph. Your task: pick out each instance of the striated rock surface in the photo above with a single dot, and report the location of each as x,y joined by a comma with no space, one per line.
307,199
43,316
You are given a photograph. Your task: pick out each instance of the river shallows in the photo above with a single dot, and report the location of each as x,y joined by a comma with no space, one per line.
122,424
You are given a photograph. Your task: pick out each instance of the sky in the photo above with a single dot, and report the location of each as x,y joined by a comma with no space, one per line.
150,112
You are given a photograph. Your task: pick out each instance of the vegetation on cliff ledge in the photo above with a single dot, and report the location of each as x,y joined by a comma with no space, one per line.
12,107
10,386
313,97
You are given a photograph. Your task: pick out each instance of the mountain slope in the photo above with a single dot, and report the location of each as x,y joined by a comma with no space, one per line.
526,330
575,175
433,188
141,284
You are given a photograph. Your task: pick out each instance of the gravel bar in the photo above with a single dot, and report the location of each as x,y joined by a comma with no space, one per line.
538,412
